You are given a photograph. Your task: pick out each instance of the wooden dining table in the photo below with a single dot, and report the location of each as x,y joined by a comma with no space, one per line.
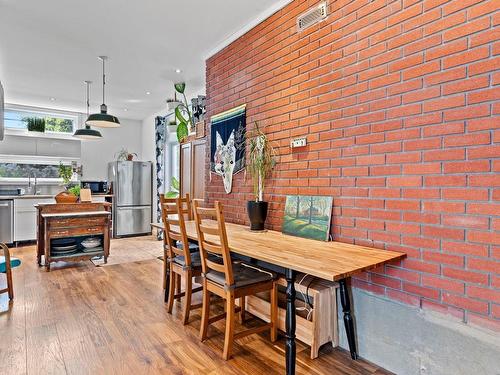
333,261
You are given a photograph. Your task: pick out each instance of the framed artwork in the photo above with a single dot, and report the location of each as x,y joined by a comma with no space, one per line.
308,216
227,144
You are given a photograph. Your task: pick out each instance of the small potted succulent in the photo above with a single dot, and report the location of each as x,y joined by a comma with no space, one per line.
125,155
260,165
71,193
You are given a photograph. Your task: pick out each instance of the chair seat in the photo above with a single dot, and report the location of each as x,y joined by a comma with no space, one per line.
14,262
243,276
193,247
195,260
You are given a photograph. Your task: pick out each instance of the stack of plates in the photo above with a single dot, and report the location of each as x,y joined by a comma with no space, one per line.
63,246
91,243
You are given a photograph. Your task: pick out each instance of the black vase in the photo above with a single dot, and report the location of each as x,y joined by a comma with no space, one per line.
257,213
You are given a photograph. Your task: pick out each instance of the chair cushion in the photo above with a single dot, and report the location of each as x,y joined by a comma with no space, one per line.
195,260
243,276
193,247
14,262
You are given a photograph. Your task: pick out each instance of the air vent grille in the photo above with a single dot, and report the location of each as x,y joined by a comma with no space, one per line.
312,16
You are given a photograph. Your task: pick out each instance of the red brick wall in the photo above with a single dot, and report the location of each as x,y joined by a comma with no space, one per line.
399,104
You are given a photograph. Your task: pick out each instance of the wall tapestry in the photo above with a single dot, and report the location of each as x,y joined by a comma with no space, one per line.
160,124
308,216
227,144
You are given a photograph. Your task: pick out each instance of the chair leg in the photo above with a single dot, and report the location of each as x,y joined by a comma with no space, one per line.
188,285
229,336
178,285
205,311
10,285
171,290
165,269
242,311
274,312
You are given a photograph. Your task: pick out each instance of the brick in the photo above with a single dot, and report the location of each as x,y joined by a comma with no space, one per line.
466,221
467,29
403,297
466,57
483,96
442,206
443,232
386,281
445,180
444,129
483,208
465,248
484,180
484,265
467,167
467,276
445,76
484,66
446,49
443,283
466,303
443,103
421,291
466,85
421,266
465,194
467,140
492,238
487,294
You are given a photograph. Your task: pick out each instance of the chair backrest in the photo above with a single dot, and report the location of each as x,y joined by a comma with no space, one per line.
212,239
6,254
173,213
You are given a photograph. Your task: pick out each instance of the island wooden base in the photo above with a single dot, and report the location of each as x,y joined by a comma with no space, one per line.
78,221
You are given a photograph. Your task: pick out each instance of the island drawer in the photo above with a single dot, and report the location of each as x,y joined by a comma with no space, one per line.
82,231
78,222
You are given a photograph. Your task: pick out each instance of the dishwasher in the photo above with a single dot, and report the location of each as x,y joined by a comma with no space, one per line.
7,221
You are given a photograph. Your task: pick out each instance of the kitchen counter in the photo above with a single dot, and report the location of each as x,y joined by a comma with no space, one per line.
26,196
43,196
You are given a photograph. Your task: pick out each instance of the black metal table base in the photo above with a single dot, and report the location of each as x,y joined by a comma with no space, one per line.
290,348
348,321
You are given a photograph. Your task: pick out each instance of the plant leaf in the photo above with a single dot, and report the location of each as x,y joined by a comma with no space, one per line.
178,114
171,194
180,87
175,183
182,131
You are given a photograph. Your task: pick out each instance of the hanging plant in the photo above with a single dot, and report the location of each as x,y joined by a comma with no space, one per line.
183,114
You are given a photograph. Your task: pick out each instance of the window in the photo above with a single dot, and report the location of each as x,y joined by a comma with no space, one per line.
61,123
25,170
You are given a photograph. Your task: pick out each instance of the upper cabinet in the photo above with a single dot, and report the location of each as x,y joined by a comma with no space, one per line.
40,146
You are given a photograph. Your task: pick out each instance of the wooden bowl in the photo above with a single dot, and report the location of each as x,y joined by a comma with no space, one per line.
65,197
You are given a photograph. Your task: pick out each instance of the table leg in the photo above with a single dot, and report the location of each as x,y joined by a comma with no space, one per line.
348,322
290,349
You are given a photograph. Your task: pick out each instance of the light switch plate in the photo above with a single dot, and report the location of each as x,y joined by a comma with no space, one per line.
298,142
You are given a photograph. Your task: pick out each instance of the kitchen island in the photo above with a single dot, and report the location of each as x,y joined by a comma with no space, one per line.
77,223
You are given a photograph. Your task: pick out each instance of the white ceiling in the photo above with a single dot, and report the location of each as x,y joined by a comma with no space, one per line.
49,47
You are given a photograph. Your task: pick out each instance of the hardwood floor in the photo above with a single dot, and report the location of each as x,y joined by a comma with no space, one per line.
82,319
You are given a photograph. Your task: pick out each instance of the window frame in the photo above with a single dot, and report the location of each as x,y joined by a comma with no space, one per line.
76,117
35,160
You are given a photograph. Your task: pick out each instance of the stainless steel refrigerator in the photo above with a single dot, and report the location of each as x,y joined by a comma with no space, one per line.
132,189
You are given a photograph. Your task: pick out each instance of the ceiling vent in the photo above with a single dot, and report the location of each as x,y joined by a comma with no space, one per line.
312,16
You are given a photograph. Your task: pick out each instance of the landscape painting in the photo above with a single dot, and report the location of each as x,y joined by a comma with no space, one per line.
308,216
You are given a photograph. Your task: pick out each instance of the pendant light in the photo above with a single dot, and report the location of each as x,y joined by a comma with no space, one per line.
103,119
87,132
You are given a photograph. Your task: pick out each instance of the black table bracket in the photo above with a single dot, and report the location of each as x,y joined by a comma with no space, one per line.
348,321
290,348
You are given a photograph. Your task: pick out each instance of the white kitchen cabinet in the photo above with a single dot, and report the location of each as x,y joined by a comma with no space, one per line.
25,217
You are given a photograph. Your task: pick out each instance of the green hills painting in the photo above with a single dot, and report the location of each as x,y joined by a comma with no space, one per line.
308,216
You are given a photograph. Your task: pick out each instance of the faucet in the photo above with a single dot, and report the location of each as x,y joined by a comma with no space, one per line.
32,190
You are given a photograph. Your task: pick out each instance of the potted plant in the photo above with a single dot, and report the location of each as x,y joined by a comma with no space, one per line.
174,189
124,155
260,164
35,124
183,114
70,194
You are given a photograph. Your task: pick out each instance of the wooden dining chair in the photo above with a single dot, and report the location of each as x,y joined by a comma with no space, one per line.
188,214
182,262
228,280
6,265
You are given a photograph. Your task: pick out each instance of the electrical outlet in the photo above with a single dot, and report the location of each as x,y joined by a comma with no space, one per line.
298,142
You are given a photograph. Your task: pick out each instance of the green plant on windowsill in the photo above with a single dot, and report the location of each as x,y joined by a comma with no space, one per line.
35,124
174,189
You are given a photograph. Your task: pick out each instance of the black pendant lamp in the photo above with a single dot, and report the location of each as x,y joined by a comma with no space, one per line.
87,132
103,119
